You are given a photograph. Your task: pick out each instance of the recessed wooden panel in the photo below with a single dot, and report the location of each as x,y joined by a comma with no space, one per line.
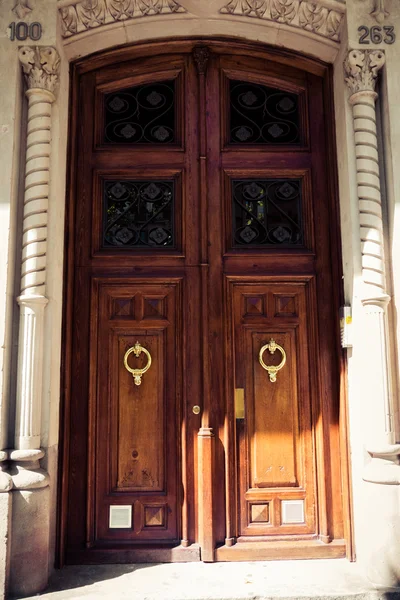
285,305
141,416
154,516
122,307
272,413
254,306
136,457
275,444
259,513
153,307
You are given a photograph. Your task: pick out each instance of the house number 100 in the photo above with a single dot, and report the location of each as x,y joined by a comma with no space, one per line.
22,31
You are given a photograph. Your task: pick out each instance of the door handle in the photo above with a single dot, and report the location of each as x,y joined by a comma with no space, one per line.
137,374
272,369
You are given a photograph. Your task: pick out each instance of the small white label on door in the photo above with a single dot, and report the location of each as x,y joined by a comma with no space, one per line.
292,511
120,517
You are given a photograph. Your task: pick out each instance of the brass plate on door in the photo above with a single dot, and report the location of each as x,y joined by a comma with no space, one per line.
239,403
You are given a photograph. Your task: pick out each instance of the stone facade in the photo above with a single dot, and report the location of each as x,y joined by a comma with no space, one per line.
33,146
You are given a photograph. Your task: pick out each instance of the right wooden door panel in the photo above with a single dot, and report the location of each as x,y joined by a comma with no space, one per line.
275,446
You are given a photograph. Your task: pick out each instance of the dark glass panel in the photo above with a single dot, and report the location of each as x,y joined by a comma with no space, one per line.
266,212
144,114
139,214
262,115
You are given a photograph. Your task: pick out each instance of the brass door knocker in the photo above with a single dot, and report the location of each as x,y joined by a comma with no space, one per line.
137,349
272,370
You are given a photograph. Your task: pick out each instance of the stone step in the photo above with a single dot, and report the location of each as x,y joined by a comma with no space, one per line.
273,580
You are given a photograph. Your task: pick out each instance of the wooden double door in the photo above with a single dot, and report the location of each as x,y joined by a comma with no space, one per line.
202,412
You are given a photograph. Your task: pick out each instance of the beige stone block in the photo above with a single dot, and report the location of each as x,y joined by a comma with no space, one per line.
39,149
365,137
371,247
34,280
37,191
37,264
39,123
39,109
33,235
364,151
39,163
366,109
370,233
33,249
30,541
366,164
5,531
38,137
368,179
366,191
37,220
38,178
365,125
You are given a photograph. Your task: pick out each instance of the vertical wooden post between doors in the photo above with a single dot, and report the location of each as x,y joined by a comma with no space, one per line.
206,440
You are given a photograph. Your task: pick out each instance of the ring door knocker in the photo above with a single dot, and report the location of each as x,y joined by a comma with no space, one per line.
272,370
137,374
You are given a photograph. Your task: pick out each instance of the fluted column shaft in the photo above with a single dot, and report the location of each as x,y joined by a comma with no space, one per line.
32,300
361,68
40,67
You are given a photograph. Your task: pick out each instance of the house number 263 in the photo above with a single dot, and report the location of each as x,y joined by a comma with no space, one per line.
22,31
376,35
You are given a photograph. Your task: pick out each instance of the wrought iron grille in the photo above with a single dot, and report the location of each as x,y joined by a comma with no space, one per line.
143,114
266,212
139,214
262,115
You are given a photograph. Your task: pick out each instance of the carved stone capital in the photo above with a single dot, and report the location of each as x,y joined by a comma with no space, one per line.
40,66
361,69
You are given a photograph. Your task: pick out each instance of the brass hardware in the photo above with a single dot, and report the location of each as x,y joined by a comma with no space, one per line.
239,403
196,409
272,370
137,349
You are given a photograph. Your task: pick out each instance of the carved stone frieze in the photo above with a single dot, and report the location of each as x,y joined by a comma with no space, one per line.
311,16
40,66
361,69
23,8
88,14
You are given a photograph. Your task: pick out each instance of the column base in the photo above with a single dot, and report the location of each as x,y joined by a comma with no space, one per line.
384,467
25,469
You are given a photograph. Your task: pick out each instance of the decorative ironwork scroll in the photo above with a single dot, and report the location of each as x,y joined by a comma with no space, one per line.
139,214
266,212
262,115
143,114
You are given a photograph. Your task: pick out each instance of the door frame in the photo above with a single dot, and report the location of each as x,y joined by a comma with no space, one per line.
162,47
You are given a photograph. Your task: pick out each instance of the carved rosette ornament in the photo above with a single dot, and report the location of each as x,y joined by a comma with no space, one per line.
361,73
40,66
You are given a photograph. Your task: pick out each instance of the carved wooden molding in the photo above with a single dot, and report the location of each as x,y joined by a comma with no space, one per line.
89,14
311,16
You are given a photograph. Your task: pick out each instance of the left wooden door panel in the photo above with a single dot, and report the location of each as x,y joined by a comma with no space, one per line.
135,459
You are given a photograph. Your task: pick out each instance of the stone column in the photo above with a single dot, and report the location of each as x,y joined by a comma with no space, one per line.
30,528
361,68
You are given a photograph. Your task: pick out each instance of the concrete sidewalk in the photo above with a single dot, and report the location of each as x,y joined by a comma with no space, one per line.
282,580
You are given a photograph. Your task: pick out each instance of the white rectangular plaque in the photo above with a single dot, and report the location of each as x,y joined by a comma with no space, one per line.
120,517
